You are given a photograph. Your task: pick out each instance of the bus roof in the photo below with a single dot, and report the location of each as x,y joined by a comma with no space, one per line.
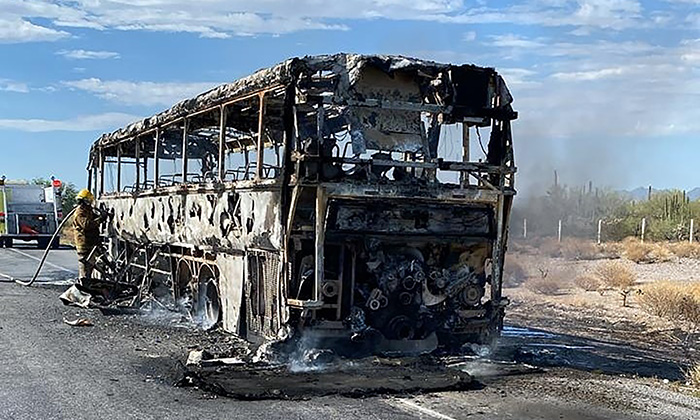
348,68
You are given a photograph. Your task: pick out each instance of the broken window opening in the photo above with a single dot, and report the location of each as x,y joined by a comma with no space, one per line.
203,147
242,137
146,162
111,171
170,156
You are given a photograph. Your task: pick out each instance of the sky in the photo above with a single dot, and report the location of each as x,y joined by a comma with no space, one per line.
607,90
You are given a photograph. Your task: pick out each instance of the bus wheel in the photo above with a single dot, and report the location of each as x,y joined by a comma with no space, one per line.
208,302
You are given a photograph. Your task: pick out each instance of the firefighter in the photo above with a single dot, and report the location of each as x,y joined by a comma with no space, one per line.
86,223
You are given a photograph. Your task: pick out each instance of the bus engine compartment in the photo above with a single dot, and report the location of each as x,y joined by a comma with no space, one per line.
346,198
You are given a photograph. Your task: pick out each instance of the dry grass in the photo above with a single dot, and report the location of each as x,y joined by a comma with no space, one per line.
686,249
550,282
550,247
610,250
543,286
675,301
520,246
579,249
514,272
587,282
569,248
640,252
616,275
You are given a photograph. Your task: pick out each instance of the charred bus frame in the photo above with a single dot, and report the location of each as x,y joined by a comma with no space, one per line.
317,196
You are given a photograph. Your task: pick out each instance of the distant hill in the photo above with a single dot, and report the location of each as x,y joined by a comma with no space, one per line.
641,193
694,194
638,194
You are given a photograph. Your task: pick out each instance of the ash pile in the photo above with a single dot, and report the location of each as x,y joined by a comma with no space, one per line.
272,372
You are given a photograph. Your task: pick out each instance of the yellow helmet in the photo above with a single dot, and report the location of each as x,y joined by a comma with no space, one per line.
85,195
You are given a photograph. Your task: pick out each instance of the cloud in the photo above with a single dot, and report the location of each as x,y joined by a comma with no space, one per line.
19,30
88,55
226,18
7,85
469,36
98,122
139,93
519,78
516,41
590,75
601,14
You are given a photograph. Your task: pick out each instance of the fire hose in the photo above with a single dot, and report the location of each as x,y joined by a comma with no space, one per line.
46,252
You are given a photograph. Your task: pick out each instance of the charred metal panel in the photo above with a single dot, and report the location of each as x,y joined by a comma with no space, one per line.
231,284
386,129
225,220
388,217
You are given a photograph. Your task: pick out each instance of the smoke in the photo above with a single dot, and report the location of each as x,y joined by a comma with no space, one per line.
177,315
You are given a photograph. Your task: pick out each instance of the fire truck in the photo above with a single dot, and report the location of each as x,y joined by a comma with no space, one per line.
29,212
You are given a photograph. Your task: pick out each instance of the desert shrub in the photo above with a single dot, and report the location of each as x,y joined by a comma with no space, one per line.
587,282
661,299
544,286
675,301
519,246
514,273
578,249
550,247
686,249
610,250
636,251
549,282
615,275
640,252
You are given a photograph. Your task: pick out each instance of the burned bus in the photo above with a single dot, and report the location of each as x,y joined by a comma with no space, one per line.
337,197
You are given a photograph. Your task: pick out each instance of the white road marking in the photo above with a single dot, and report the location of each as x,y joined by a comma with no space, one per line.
7,277
46,262
424,410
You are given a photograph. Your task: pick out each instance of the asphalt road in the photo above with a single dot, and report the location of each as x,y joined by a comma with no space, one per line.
124,367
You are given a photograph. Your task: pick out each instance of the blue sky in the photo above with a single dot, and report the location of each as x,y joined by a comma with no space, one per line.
607,91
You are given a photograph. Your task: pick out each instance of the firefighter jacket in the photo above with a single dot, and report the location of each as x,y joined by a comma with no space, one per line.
87,229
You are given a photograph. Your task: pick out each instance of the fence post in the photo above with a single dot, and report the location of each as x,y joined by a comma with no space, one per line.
524,228
692,222
559,232
644,227
600,226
